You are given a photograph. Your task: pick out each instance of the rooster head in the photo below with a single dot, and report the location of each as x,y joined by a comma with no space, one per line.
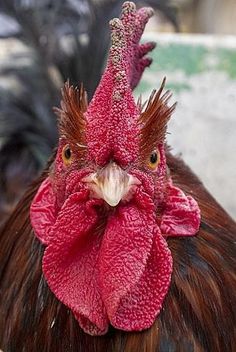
108,203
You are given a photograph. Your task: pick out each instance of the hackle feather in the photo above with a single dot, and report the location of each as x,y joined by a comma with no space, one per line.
72,121
153,121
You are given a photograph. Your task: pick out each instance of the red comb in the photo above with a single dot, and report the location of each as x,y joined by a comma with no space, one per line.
113,108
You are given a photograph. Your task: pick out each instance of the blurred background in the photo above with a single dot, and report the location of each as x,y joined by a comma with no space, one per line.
44,42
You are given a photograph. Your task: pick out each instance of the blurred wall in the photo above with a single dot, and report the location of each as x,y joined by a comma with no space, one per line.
207,16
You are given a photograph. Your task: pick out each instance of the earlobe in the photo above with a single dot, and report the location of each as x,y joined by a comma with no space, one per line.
42,211
181,216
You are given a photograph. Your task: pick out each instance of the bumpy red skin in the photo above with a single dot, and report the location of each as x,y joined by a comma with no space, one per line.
112,267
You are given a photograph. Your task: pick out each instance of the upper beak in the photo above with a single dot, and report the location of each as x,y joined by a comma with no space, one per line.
111,183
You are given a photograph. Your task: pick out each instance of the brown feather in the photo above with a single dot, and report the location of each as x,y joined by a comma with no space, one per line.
153,122
72,122
198,313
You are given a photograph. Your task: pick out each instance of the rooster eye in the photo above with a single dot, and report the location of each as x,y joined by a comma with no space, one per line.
154,160
66,155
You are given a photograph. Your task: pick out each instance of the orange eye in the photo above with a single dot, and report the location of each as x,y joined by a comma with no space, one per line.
66,155
154,160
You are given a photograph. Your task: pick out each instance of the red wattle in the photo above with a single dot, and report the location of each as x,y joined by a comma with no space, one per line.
120,276
135,269
70,263
124,253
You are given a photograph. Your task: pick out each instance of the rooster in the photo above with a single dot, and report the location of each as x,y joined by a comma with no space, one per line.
104,251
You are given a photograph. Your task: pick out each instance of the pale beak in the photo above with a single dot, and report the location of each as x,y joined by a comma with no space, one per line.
111,183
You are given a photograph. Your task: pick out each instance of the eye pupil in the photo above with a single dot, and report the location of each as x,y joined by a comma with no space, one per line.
67,153
153,158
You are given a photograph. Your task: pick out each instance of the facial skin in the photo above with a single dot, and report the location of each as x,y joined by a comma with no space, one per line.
116,159
113,183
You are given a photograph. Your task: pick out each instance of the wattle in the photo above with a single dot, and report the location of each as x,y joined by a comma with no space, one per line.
114,271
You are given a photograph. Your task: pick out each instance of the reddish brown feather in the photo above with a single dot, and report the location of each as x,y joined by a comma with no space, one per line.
72,122
153,121
198,314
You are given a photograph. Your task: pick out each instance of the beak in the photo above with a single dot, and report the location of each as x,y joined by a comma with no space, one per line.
111,183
